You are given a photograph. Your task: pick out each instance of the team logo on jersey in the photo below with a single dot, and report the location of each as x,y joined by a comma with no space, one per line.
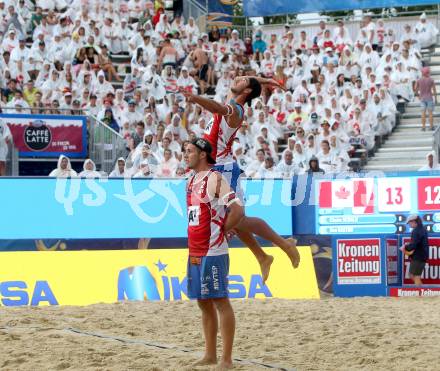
193,215
209,126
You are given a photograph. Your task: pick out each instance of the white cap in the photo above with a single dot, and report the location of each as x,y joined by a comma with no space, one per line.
328,49
411,218
297,104
423,15
234,31
432,153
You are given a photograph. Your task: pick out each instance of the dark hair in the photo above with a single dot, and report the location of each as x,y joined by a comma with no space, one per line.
255,87
140,123
418,220
338,83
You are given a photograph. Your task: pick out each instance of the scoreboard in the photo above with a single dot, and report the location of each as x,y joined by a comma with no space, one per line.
376,205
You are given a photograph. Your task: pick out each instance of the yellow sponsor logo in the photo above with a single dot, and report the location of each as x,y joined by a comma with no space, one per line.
89,277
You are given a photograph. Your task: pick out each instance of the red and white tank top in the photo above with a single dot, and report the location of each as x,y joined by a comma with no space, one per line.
221,136
206,219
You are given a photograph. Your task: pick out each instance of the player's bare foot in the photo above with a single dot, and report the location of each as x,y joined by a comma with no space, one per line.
224,366
292,252
205,361
265,265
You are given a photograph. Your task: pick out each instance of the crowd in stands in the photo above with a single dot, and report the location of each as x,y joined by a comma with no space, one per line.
341,89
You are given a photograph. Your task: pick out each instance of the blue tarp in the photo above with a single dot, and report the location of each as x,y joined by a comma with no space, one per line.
259,8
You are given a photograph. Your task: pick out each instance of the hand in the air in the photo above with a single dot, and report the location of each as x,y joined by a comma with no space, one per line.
189,96
276,84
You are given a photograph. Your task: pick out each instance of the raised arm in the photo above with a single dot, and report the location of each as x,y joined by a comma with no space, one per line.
208,104
269,82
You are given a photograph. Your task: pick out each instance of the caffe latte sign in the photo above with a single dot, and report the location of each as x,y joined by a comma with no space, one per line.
37,136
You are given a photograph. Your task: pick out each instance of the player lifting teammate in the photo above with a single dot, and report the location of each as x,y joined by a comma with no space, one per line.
220,132
213,210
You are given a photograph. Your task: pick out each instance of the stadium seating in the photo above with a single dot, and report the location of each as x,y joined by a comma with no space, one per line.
358,88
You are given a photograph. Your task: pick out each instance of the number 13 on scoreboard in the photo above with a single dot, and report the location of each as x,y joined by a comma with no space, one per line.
428,191
394,194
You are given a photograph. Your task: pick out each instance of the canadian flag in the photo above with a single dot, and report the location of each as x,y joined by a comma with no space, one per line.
357,194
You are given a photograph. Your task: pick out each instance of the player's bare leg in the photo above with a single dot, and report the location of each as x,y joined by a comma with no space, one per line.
263,259
260,228
227,331
210,328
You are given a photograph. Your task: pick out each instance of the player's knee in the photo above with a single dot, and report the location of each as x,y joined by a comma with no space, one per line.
205,305
222,304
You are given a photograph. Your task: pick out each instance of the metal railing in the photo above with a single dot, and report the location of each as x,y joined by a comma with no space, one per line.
436,142
246,26
47,111
195,9
12,160
105,145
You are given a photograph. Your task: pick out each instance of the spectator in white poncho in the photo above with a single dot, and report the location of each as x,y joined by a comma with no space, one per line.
267,169
64,169
427,32
119,170
287,168
432,162
89,170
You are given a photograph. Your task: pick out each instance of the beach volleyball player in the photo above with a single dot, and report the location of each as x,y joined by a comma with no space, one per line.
213,210
220,132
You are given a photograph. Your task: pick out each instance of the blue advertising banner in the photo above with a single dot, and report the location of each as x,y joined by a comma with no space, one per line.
48,135
260,8
41,208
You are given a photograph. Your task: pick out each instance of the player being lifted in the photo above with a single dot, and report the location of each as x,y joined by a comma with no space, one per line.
220,132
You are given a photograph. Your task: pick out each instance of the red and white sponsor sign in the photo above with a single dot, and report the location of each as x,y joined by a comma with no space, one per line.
391,260
428,194
414,291
48,136
357,194
358,261
431,274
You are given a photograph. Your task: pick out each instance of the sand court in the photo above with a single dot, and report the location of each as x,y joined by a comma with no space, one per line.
328,334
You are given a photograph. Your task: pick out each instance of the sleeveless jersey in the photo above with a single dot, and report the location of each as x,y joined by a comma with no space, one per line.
221,137
206,220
